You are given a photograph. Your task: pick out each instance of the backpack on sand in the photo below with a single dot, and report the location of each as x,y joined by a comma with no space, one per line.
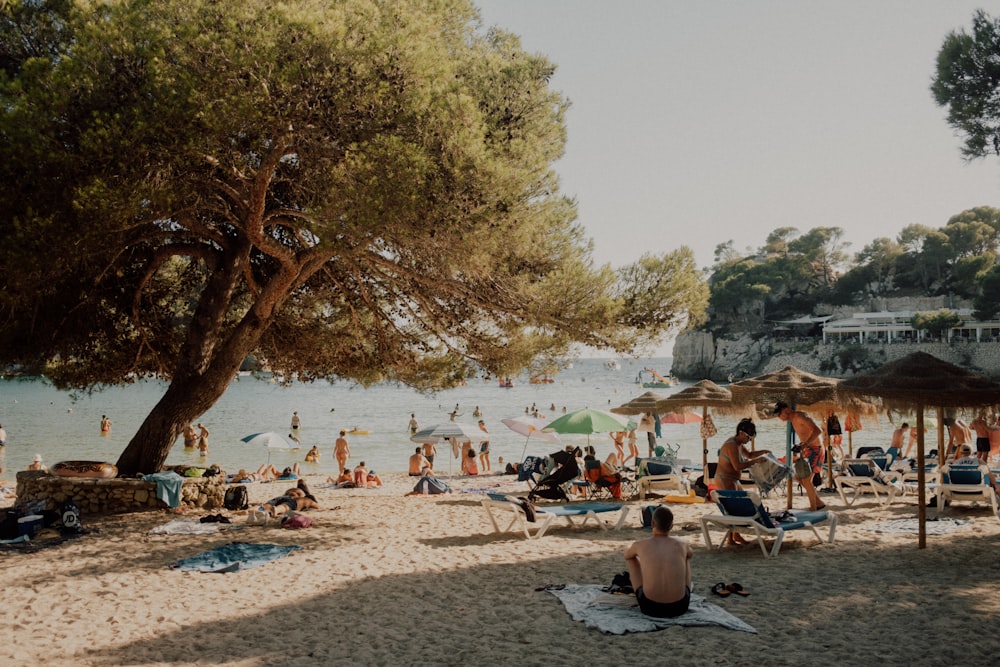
236,498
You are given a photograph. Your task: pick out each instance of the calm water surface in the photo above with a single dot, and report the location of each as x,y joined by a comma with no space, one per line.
62,425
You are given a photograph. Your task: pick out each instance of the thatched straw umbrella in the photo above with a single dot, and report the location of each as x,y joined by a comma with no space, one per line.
703,394
789,385
644,403
917,381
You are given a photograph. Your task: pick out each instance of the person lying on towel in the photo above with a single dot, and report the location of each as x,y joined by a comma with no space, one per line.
660,569
293,500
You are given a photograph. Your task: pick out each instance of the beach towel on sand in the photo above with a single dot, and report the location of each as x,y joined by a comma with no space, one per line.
618,614
184,527
233,556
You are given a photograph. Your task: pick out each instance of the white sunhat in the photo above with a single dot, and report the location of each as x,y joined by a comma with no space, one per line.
38,458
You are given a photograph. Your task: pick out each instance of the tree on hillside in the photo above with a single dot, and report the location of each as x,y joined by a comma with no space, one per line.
967,82
873,274
823,249
357,189
987,302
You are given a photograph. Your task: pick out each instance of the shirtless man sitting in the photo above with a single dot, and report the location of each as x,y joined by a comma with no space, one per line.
734,458
660,569
418,462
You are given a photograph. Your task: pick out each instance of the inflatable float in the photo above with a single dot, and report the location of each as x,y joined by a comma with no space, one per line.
93,469
357,431
690,498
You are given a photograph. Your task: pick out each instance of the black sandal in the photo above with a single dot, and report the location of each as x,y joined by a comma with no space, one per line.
736,588
721,590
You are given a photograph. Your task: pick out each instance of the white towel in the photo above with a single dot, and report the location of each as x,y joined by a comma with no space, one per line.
184,527
618,614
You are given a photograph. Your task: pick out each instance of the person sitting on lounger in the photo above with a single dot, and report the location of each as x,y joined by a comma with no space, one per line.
965,457
660,569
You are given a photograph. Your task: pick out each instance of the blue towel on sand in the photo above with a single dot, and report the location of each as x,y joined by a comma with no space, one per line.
168,486
233,556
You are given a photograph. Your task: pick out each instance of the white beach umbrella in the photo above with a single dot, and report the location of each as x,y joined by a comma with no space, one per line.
530,427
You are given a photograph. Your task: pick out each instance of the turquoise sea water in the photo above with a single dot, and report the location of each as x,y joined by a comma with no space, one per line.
61,426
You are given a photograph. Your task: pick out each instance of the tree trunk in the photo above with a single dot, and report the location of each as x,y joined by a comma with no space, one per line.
183,402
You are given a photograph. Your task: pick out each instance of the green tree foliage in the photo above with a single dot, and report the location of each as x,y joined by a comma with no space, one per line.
987,303
873,274
936,324
347,188
967,82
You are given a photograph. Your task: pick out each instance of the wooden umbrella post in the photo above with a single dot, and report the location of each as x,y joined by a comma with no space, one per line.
921,474
704,448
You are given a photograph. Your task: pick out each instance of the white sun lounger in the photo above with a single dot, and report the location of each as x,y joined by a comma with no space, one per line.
544,516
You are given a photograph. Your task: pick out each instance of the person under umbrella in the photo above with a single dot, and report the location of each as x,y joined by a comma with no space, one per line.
809,449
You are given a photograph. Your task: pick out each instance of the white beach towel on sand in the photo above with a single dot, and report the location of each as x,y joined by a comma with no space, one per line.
184,527
618,614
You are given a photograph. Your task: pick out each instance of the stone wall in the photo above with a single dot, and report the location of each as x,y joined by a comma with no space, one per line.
112,496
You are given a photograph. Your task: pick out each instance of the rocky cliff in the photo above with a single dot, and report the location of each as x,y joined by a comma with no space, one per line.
699,354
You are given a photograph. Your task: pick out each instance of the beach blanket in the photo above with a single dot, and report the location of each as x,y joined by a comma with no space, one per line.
168,486
184,527
233,556
933,526
618,614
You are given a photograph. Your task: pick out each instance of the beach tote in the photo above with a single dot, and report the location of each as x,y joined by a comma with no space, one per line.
802,469
236,498
296,521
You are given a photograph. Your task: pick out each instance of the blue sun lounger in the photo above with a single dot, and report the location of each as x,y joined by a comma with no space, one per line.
496,506
743,510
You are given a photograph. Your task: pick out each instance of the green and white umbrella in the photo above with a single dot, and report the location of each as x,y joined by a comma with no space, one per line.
587,421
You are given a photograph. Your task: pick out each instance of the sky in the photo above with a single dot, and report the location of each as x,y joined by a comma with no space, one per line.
697,123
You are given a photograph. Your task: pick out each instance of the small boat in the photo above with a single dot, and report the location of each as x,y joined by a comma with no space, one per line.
656,380
540,379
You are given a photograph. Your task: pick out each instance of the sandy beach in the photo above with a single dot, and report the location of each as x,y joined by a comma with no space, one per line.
383,578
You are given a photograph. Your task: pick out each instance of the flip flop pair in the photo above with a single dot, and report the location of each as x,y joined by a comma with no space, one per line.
724,590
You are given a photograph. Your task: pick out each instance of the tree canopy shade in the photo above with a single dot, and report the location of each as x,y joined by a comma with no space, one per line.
345,188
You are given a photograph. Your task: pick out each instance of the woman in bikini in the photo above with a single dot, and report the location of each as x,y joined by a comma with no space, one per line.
734,458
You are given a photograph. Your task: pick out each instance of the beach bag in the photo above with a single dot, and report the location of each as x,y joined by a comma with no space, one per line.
71,517
296,521
802,469
621,584
236,498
